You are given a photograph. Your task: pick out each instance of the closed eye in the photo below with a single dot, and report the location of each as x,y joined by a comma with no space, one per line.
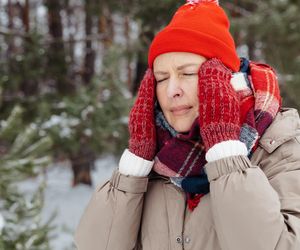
161,80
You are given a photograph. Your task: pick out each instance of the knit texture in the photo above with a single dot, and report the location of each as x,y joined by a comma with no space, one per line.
182,156
130,164
142,140
218,104
226,149
199,27
258,110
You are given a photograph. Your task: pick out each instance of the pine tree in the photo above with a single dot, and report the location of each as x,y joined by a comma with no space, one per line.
23,154
91,121
270,30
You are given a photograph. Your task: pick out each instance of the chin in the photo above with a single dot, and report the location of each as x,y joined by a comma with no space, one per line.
182,128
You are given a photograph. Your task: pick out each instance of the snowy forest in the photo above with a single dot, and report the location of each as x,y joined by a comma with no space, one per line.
69,72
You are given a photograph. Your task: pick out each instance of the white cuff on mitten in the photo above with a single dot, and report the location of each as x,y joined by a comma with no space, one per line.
239,81
226,149
131,164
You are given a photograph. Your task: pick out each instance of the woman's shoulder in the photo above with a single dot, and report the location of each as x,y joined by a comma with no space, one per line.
285,127
279,147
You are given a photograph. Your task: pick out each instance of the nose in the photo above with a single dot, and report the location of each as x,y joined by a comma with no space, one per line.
174,88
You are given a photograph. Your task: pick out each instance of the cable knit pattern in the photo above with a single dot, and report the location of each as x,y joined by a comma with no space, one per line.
142,140
218,104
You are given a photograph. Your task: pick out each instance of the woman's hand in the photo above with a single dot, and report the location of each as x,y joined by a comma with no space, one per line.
142,140
219,110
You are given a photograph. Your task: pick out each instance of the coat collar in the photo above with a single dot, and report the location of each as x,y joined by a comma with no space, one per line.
285,126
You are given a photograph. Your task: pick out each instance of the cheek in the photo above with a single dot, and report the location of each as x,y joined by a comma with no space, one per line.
191,90
161,96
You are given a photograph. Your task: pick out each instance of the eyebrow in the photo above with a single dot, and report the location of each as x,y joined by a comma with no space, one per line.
178,68
186,65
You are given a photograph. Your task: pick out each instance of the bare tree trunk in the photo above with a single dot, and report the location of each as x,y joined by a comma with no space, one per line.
70,24
25,18
10,26
89,60
105,26
251,46
83,160
128,59
82,163
0,10
56,57
240,9
145,37
141,67
29,87
251,39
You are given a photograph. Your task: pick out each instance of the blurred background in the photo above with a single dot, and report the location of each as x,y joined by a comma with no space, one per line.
69,72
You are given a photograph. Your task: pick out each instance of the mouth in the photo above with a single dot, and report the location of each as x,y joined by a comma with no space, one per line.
181,110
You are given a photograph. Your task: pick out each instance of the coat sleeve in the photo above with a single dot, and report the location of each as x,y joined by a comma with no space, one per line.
112,218
253,211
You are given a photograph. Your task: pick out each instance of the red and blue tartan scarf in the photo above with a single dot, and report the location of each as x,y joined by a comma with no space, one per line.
182,156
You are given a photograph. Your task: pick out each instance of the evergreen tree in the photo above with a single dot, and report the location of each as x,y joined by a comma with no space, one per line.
270,30
92,121
22,155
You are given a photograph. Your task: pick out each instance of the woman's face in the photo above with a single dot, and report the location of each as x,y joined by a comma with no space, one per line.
176,74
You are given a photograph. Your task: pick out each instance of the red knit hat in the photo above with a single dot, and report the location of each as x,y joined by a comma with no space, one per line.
200,27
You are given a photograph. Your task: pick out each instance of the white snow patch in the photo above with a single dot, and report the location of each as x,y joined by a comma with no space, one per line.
66,201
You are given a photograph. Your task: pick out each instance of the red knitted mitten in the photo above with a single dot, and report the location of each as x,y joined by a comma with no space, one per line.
142,140
218,104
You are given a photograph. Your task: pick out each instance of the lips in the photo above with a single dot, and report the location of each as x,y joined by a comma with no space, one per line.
181,110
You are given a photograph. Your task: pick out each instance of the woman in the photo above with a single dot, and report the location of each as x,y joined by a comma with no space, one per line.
213,160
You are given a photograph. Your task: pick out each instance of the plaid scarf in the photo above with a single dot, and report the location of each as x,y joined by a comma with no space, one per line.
181,156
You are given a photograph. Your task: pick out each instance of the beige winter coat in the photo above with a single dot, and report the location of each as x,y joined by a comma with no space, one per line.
251,205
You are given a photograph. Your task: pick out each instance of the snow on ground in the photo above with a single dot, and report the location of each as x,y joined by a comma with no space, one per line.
68,202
